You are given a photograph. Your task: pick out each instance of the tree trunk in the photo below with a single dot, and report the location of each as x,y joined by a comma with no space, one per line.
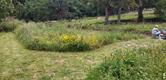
119,15
140,14
140,11
106,16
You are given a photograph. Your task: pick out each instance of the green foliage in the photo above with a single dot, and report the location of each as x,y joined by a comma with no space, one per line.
9,25
6,8
160,9
43,10
35,10
145,64
38,36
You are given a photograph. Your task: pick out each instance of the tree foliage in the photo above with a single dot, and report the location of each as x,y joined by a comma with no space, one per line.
6,8
43,10
161,9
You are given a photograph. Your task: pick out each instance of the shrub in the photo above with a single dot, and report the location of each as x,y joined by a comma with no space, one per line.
136,64
9,25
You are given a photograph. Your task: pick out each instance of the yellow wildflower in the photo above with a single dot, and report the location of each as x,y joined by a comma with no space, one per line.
92,40
67,37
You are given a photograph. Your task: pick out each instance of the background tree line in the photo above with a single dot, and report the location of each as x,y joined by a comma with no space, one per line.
43,10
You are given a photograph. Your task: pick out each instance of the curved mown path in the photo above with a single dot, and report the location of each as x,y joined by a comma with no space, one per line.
17,63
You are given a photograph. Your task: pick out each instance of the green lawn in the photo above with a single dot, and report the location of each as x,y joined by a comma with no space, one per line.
18,63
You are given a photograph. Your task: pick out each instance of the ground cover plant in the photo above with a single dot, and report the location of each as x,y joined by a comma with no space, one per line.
141,63
38,36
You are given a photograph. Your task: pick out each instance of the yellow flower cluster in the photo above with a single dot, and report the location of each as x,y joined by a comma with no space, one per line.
68,38
92,40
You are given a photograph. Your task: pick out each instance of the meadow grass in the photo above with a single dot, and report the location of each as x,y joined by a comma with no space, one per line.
142,63
39,36
20,63
79,35
125,54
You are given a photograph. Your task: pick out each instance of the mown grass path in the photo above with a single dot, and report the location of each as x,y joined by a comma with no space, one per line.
17,63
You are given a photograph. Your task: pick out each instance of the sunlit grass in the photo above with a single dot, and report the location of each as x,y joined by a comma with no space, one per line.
39,36
19,63
139,63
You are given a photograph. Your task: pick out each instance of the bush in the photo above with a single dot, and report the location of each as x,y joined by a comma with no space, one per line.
9,25
137,64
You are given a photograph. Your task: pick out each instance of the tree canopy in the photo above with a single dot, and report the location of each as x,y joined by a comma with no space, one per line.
43,10
6,8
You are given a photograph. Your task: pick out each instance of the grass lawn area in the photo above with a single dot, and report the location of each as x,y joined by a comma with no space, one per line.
133,15
19,63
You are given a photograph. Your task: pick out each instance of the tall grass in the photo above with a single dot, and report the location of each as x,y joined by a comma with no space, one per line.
143,28
136,64
9,25
39,36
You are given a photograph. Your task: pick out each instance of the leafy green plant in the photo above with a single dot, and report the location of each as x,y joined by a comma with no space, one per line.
133,64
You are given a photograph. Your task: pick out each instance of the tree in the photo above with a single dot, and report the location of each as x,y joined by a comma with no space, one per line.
116,5
76,8
144,4
6,8
40,10
18,7
161,9
35,10
58,9
140,10
122,4
104,5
